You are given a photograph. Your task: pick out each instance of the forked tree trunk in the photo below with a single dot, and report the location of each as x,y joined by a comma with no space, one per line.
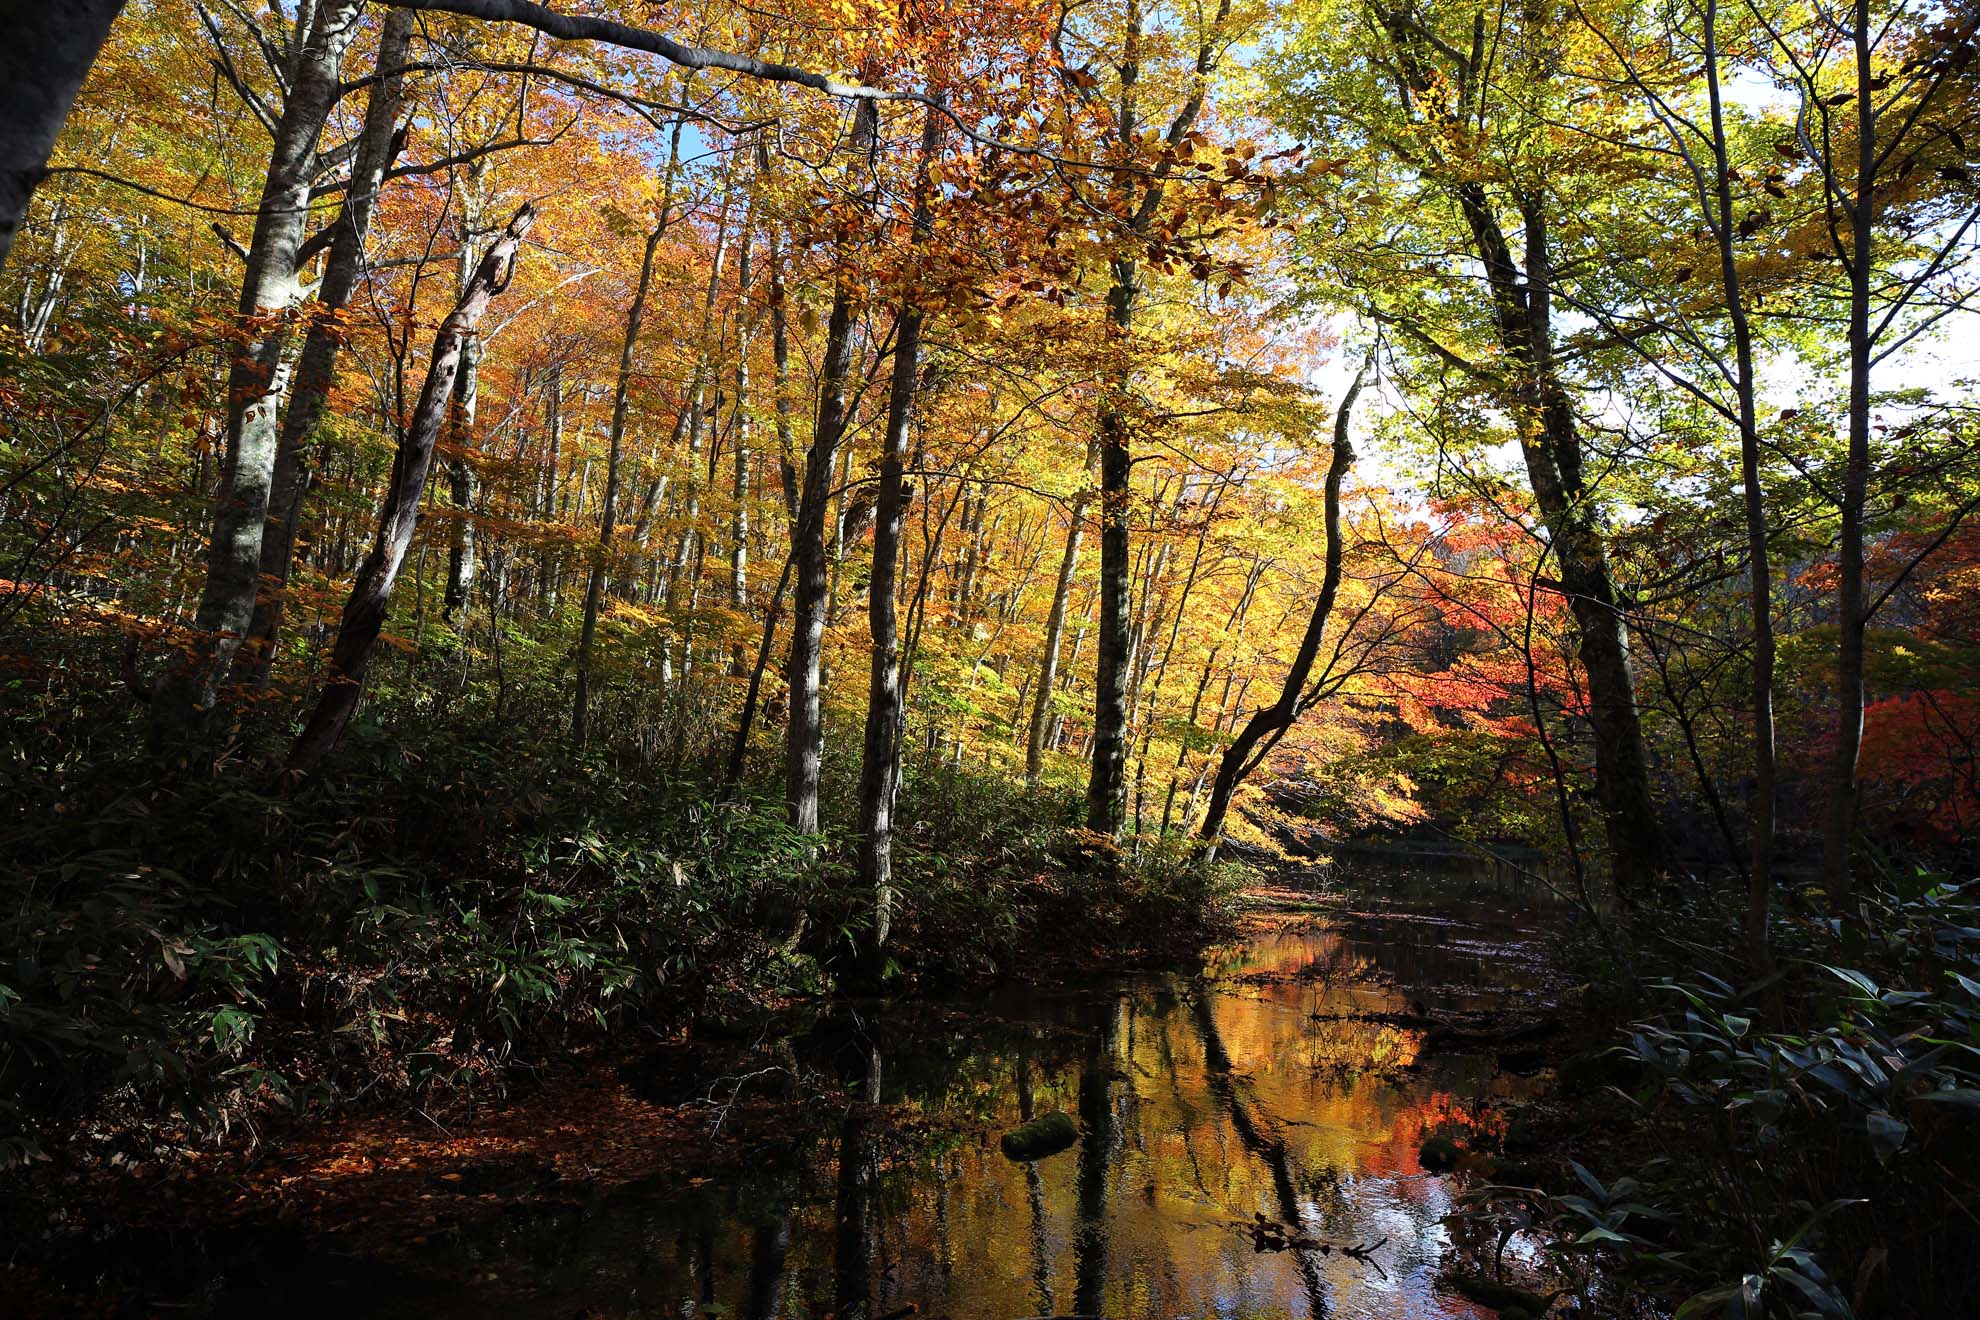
364,612
49,47
1521,309
1550,442
258,375
1269,724
316,366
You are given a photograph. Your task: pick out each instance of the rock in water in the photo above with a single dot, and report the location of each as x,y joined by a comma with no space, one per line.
1438,1154
1040,1137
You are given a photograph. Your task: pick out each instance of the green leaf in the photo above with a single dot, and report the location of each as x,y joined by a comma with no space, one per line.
1857,979
1887,1134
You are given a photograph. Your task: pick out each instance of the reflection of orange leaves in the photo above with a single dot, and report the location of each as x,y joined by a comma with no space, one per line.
1441,1113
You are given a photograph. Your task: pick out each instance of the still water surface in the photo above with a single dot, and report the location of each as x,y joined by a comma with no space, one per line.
1203,1101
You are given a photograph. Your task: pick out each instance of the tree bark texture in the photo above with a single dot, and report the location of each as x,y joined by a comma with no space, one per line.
804,744
364,613
49,47
257,377
880,763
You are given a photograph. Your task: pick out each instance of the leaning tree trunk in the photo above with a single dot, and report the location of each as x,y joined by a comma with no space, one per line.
804,742
1055,631
258,375
461,557
594,589
316,366
880,764
1270,723
364,612
48,49
1550,443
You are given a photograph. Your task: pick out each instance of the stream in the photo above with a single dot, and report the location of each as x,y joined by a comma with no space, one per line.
1257,1089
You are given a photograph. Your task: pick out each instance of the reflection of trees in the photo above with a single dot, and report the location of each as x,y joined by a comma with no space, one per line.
1165,1005
1034,1188
1096,1156
769,1251
851,1276
1268,1146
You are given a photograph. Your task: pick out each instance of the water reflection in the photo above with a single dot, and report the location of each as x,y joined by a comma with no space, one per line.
1202,1103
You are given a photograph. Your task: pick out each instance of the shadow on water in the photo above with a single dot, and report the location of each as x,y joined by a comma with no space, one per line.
1259,1089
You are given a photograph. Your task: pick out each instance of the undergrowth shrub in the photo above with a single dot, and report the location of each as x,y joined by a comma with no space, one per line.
998,875
1831,1154
206,944
199,946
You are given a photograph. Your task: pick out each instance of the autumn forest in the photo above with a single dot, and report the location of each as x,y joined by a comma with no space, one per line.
1007,658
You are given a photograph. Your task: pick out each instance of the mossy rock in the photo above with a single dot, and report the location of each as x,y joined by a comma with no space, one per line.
1437,1154
1046,1135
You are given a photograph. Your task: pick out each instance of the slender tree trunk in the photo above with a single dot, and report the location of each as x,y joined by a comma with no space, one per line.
258,376
553,440
739,746
880,765
1106,786
1852,615
804,746
316,366
1153,693
1760,591
780,380
364,612
691,545
49,48
1055,630
739,485
1270,723
1140,196
607,522
1233,628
